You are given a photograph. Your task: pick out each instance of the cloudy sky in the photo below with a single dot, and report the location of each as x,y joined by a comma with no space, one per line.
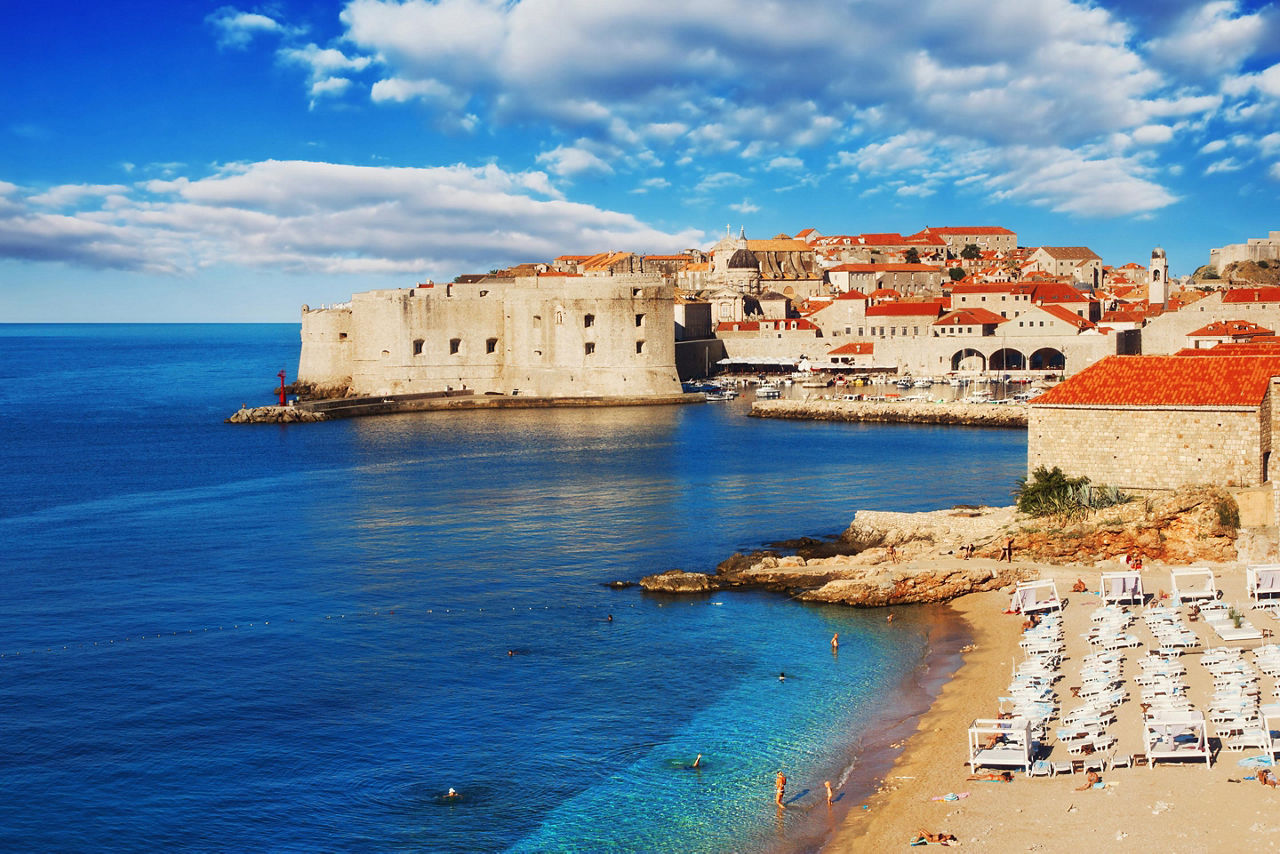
181,160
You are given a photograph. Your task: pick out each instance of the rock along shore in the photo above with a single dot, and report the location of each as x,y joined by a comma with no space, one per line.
964,414
886,558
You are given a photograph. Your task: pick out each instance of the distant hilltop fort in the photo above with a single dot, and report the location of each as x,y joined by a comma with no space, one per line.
964,300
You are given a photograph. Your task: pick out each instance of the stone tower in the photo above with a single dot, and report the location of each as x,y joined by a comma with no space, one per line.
1158,279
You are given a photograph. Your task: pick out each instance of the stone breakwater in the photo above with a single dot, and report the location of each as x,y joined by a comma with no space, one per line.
965,414
275,415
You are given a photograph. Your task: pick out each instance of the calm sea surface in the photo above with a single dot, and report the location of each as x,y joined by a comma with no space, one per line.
223,637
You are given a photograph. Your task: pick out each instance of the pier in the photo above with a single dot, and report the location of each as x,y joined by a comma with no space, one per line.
963,414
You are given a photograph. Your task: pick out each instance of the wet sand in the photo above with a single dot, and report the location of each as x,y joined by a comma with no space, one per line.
1177,807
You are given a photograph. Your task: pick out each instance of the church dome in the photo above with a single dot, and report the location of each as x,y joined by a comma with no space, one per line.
743,260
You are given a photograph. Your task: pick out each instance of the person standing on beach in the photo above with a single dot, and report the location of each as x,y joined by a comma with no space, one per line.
830,797
1006,551
780,789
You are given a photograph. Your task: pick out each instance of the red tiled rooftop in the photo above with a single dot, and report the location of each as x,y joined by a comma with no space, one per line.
853,348
1067,315
1233,328
1264,294
1167,381
970,317
906,309
976,229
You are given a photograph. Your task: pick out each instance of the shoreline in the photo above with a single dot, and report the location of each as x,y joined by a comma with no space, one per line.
877,746
1182,807
974,674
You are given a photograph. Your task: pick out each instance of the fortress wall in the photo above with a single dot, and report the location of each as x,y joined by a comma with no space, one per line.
1167,333
1148,448
547,336
325,357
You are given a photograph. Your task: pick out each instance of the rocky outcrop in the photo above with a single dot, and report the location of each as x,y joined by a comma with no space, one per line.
874,587
1191,525
679,581
275,415
964,414
313,391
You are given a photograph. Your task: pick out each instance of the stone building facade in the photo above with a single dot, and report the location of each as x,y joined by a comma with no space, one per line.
1254,249
1160,422
553,335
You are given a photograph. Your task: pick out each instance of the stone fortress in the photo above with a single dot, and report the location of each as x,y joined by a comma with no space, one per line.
1255,249
547,335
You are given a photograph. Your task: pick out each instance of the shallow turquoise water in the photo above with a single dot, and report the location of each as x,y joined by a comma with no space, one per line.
221,637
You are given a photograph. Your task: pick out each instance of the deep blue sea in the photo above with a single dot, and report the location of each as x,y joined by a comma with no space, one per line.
227,638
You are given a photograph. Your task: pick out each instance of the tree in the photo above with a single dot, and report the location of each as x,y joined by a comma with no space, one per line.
971,252
912,256
956,274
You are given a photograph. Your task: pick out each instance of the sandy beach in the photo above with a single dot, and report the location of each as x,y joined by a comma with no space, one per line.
1176,806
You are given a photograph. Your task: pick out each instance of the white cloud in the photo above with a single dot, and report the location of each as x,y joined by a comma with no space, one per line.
70,194
1212,39
1227,164
784,162
1274,171
329,86
1269,144
744,207
235,29
325,217
571,161
1213,146
719,181
1152,134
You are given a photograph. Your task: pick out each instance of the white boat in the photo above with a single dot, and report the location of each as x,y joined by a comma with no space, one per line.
923,382
768,391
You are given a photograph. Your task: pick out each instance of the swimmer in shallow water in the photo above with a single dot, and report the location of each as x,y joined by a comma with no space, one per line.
452,794
697,762
782,677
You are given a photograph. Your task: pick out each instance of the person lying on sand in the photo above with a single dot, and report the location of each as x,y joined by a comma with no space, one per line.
1266,778
923,836
1001,777
1079,586
1090,781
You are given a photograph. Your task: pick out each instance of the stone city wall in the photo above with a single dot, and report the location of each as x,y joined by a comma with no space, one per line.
1149,448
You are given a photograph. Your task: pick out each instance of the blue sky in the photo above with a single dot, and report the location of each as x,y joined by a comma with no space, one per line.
188,161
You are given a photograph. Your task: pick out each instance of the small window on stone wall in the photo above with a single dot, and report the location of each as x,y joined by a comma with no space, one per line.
491,345
588,321
537,321
639,347
417,346
589,348
639,321
455,344
342,336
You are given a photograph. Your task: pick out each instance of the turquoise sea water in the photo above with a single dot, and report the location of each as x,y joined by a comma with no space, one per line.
296,638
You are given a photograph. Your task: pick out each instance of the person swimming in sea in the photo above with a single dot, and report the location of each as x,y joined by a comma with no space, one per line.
452,794
782,677
697,763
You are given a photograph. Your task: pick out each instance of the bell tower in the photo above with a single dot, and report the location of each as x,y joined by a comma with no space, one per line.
1158,279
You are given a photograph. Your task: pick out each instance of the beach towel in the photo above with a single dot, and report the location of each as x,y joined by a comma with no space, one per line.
951,796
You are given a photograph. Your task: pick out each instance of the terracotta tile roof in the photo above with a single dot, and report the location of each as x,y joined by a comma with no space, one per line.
1167,381
906,309
1066,314
886,268
885,293
1071,253
970,317
1128,314
888,238
853,295
1265,294
853,348
1057,292
1230,328
796,323
987,288
976,229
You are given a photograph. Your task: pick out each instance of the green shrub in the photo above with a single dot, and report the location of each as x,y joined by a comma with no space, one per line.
1228,512
1050,492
